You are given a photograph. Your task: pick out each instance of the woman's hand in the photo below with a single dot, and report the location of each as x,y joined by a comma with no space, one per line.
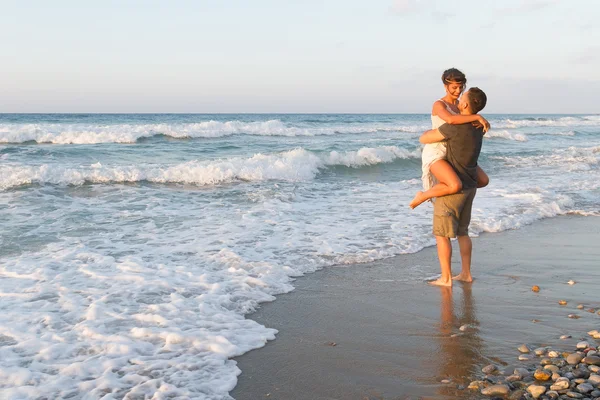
482,123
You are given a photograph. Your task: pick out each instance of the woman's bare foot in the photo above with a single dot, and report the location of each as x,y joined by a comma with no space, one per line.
463,278
419,198
440,282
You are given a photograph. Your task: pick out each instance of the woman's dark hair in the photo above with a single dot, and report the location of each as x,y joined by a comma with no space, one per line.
453,75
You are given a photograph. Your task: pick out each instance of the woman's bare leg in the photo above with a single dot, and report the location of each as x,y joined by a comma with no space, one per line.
449,183
482,179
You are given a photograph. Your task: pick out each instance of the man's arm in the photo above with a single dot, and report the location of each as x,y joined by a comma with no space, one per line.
432,136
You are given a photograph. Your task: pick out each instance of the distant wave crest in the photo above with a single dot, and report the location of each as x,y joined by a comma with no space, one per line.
130,133
508,123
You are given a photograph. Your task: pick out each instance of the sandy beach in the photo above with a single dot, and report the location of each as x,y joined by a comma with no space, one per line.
377,331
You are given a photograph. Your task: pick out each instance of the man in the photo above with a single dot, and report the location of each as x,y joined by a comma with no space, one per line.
452,213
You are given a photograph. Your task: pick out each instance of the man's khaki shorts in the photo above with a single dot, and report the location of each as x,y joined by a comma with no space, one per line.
452,214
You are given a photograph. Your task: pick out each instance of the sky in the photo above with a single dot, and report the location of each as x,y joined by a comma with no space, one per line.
273,56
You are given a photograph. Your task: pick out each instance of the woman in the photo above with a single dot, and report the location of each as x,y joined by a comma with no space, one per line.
439,178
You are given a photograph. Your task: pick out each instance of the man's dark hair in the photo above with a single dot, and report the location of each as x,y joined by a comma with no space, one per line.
453,75
477,99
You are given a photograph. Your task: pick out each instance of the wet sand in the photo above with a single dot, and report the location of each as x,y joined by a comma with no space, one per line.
377,331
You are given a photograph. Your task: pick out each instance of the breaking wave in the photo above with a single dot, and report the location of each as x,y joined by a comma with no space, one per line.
294,165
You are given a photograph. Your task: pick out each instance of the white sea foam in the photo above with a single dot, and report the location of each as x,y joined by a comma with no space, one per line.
547,122
568,159
554,133
294,165
504,134
157,309
130,133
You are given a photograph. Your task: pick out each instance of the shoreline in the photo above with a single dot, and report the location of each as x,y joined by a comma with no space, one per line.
377,331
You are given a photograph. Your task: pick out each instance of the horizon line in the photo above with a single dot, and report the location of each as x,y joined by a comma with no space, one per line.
278,113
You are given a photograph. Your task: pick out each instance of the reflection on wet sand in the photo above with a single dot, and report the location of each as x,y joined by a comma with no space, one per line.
461,355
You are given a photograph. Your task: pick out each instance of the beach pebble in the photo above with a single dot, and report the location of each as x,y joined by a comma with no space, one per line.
512,378
457,334
592,360
551,368
560,385
522,384
536,391
594,368
555,376
584,388
553,354
517,395
535,288
571,282
595,394
525,357
580,306
524,348
561,362
545,361
446,381
496,390
591,310
562,302
488,369
552,394
563,337
542,375
592,333
540,351
575,395
475,385
583,345
522,372
574,316
467,327
594,379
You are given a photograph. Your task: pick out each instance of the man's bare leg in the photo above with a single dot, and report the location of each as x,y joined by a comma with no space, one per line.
466,249
444,248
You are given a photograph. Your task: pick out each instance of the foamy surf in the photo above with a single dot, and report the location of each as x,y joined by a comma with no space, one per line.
293,165
143,290
131,133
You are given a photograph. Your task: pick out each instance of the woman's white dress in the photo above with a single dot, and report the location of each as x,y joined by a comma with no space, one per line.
433,152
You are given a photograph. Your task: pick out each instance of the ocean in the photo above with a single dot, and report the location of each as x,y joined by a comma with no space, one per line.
133,246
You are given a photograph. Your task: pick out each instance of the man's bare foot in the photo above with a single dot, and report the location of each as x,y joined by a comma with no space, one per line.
463,278
419,198
440,282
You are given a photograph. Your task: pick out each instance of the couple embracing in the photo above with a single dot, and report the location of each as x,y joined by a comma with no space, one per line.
451,174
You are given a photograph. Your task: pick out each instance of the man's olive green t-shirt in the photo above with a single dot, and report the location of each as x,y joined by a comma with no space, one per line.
464,145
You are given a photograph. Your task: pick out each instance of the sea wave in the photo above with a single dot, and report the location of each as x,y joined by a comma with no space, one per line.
294,165
504,134
540,122
558,133
571,159
131,133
